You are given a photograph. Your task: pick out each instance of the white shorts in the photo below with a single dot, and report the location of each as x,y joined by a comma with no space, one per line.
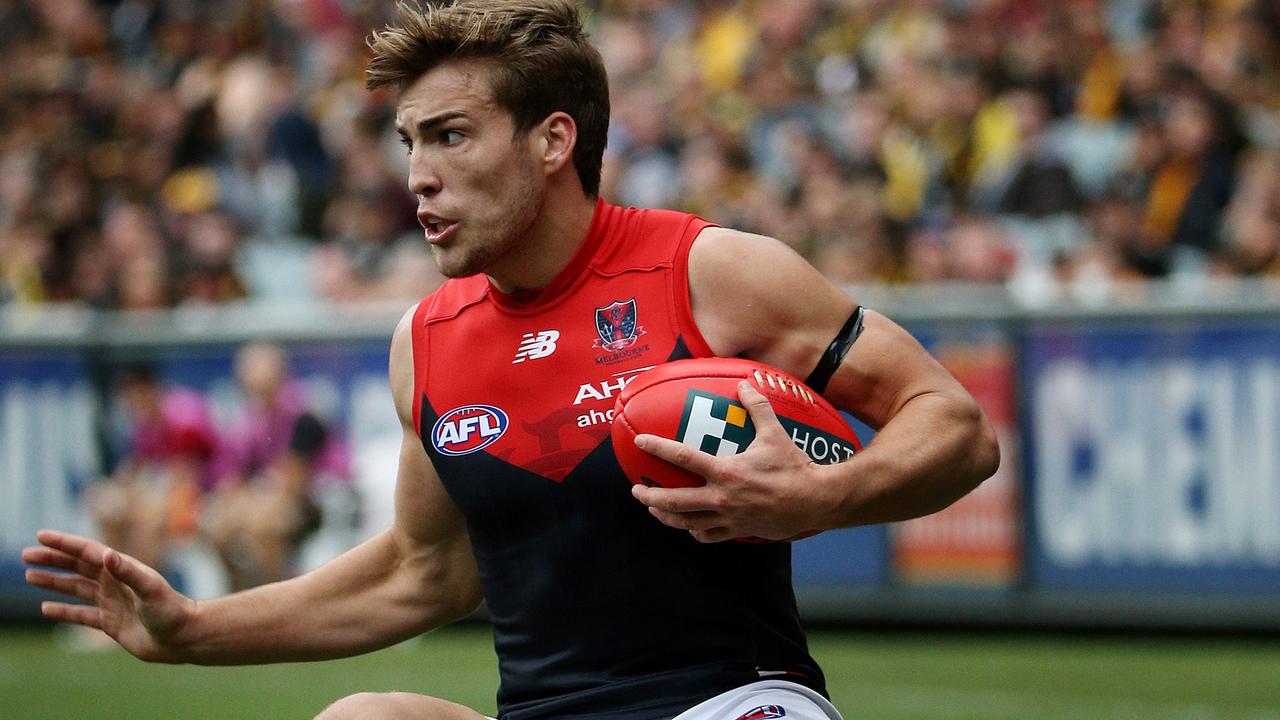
762,701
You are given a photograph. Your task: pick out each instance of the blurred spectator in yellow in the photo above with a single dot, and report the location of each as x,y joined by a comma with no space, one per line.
1025,176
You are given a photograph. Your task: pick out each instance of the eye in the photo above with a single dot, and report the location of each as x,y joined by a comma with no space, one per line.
407,143
451,137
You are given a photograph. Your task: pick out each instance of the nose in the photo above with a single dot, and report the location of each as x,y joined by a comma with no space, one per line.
424,181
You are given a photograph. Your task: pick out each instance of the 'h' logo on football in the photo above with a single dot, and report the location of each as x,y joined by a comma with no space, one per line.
536,346
715,425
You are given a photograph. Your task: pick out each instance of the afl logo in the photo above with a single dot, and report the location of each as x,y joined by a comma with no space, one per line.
468,429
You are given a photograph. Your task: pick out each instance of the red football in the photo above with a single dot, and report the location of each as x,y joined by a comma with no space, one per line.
696,402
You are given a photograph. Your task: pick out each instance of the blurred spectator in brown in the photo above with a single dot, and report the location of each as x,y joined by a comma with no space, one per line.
713,177
1116,223
273,462
153,497
1193,185
926,255
867,254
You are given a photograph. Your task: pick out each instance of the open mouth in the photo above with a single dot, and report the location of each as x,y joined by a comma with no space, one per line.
437,229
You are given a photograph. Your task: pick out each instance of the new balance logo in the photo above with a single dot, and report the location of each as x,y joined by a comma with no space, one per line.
534,346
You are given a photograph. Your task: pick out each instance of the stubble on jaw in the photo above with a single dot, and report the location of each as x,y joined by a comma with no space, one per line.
473,261
483,252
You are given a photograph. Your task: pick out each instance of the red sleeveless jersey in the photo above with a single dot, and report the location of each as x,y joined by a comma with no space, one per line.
598,609
552,366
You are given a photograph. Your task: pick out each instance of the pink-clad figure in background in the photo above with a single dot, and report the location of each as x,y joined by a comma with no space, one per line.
153,497
262,505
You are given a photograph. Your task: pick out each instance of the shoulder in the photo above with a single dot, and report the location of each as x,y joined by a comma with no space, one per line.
662,219
720,249
763,273
754,295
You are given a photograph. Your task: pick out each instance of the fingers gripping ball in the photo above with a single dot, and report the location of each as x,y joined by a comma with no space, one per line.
695,402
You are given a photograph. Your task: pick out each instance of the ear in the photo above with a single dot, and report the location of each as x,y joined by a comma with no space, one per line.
557,137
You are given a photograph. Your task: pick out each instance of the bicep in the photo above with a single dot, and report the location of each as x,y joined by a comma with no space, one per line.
885,369
755,297
430,537
752,296
424,512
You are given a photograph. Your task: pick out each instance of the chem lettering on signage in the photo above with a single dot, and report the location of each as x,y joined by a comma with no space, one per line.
1168,462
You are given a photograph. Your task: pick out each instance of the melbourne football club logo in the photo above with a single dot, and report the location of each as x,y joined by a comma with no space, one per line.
764,712
617,327
468,428
715,424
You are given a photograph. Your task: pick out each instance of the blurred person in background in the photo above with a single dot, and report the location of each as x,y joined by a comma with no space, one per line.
1252,228
1193,185
205,272
24,255
369,257
154,496
1034,180
273,462
370,251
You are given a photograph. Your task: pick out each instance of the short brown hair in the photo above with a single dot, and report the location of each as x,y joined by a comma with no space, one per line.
539,59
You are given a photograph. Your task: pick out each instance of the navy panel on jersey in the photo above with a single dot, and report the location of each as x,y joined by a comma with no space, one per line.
585,588
598,609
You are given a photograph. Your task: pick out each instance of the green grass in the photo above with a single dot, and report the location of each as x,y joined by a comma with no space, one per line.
1047,678
871,676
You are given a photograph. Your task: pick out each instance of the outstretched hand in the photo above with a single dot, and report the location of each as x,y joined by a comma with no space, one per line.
772,490
131,602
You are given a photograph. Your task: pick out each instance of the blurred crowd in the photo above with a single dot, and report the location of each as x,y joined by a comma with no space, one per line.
250,488
156,153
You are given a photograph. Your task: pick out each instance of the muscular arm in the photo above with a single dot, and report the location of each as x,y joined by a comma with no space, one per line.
416,575
754,297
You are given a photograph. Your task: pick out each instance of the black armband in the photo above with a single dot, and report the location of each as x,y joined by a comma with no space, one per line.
836,351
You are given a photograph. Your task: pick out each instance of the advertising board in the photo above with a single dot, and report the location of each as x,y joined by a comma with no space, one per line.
1154,454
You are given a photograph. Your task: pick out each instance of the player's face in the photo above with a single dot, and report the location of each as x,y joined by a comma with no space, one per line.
478,184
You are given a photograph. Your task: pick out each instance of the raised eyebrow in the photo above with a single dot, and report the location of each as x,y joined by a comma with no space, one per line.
425,125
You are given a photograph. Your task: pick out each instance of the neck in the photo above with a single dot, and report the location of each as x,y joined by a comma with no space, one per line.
552,241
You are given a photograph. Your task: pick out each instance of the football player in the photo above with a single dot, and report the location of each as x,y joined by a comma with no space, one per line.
606,600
